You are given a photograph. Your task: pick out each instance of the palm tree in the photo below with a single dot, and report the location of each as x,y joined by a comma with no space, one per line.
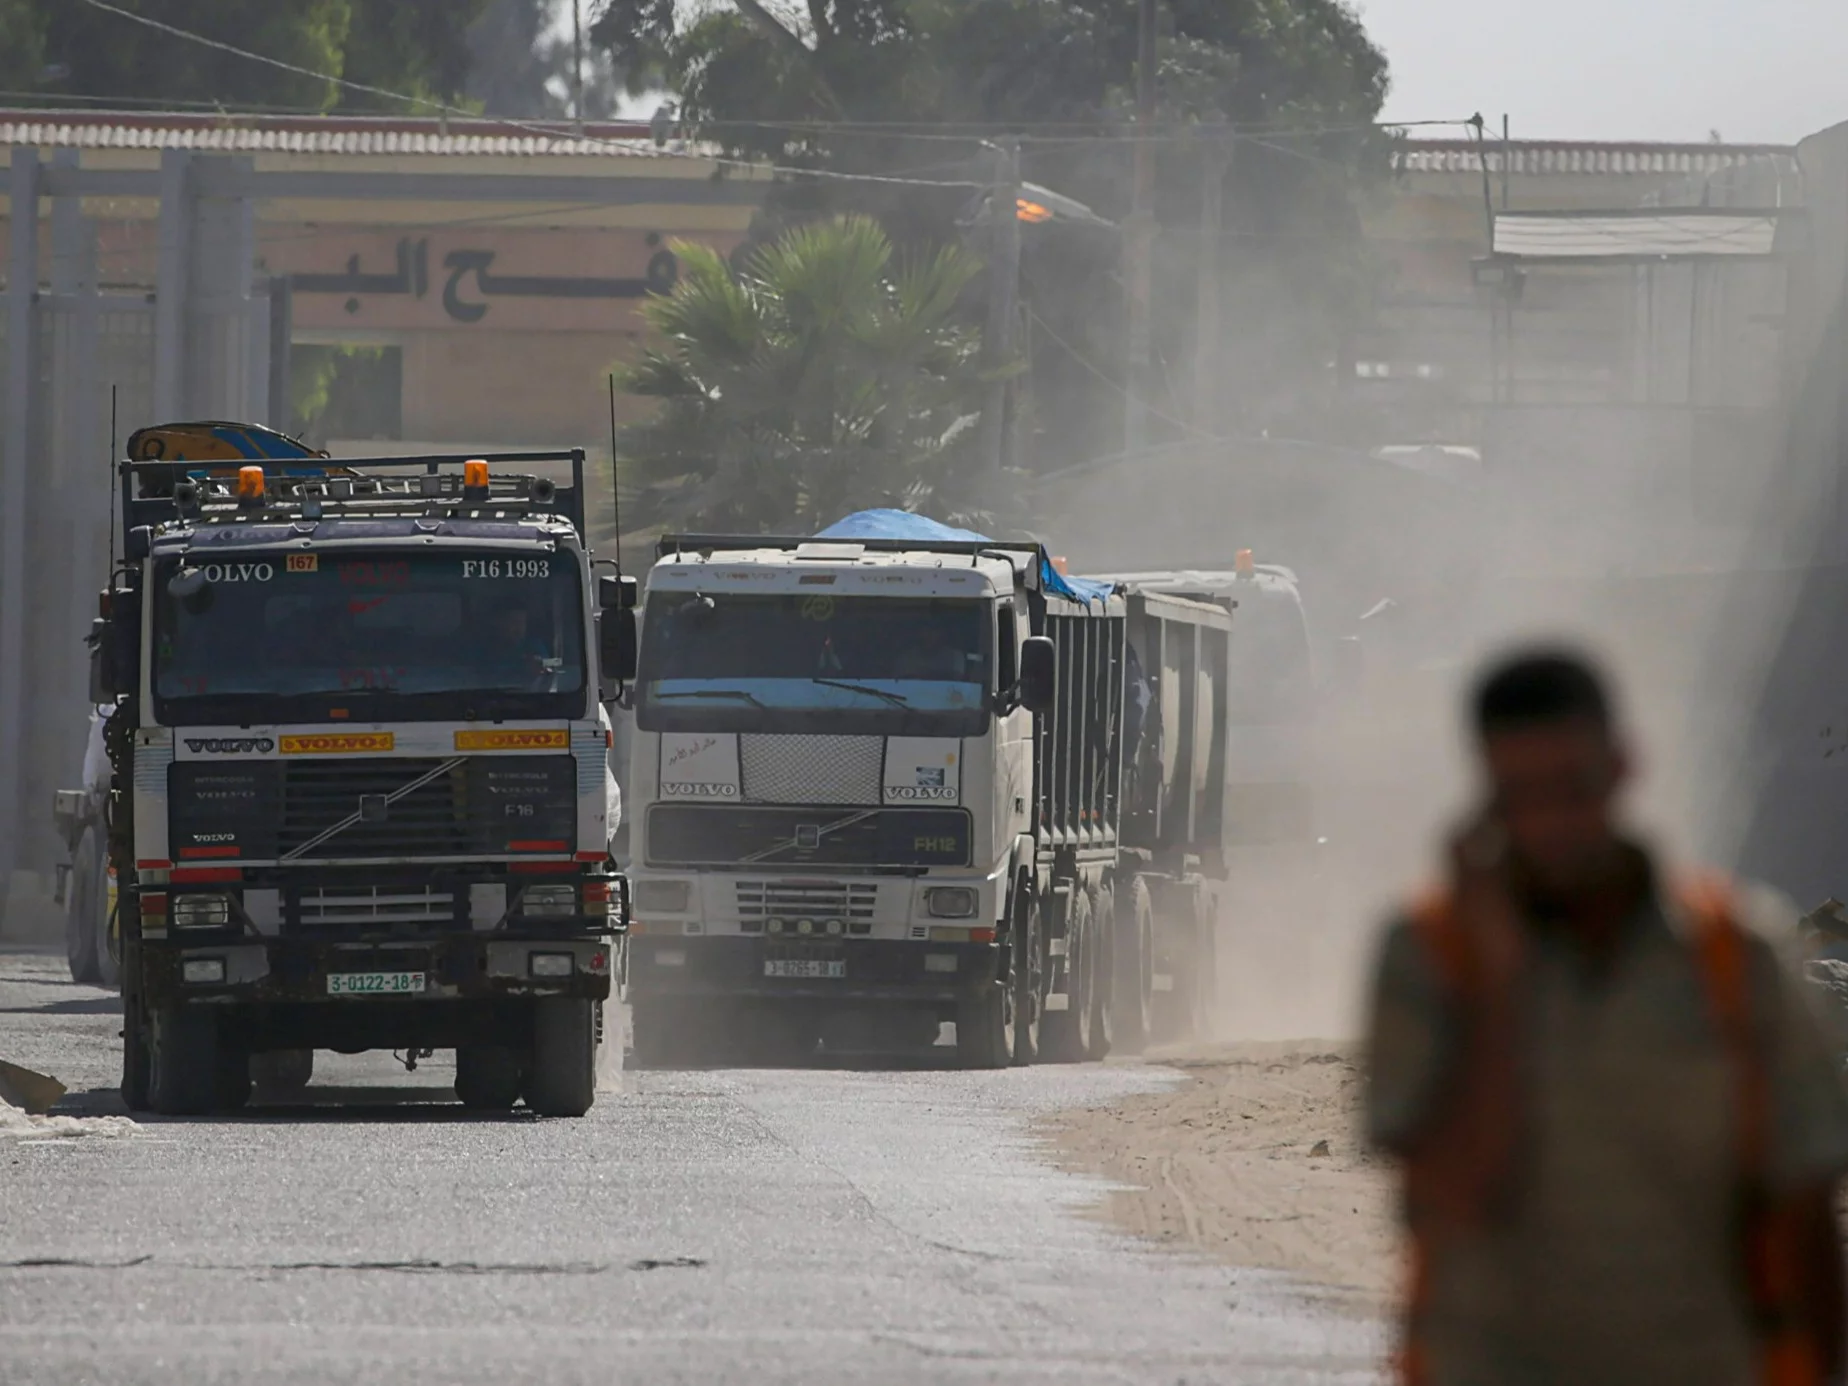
822,376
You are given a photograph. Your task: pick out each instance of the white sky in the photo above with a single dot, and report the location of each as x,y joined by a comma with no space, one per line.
1755,70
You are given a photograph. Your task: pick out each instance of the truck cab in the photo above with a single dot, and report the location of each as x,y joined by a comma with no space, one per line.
886,782
359,795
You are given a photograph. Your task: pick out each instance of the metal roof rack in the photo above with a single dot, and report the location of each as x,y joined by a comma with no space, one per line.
1024,554
206,493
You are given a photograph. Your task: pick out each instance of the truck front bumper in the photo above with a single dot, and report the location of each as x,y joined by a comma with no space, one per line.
461,967
674,965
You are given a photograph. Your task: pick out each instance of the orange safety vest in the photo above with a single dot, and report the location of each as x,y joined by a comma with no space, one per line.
1467,1160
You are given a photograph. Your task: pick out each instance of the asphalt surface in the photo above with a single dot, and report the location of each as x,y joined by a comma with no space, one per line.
743,1225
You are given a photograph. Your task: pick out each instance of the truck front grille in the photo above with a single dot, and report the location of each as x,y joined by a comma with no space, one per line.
429,821
796,900
351,808
366,909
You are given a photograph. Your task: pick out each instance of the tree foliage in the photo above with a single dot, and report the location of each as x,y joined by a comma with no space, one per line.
825,374
64,48
874,86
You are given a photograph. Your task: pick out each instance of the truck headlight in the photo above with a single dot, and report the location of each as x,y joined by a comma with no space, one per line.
950,902
549,901
661,897
200,912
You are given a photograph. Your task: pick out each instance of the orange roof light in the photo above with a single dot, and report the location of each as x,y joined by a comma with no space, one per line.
1058,566
1242,564
1031,212
475,475
250,484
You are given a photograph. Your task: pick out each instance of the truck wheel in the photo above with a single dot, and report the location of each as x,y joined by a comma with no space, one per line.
82,903
1029,983
488,1077
1132,997
562,1080
1066,1037
233,1083
183,1066
281,1073
135,1067
1183,1011
109,940
1206,968
1103,949
985,1029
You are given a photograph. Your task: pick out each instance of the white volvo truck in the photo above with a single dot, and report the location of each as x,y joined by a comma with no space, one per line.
358,796
882,782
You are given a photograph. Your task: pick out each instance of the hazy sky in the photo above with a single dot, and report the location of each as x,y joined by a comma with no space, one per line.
1755,70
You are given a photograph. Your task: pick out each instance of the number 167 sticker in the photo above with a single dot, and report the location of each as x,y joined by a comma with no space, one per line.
303,563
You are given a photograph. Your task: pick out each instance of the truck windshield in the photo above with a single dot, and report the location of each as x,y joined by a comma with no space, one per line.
301,635
870,660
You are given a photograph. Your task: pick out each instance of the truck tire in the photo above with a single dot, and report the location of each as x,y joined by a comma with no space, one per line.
280,1074
136,1074
1184,1011
1103,949
83,902
985,1029
562,1078
1029,981
1066,1035
488,1077
183,1064
233,1085
109,941
1131,994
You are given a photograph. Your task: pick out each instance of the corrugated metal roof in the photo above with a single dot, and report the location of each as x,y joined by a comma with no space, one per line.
235,134
1548,158
1605,235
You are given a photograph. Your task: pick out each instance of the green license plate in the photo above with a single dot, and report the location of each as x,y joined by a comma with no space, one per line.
375,983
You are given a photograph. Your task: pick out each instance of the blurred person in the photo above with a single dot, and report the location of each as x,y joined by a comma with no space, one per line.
1618,1126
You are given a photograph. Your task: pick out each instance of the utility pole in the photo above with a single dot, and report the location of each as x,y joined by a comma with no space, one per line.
1217,160
1003,301
1139,239
577,65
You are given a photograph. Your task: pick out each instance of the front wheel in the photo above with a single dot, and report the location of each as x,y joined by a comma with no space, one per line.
281,1073
1067,1035
985,1029
488,1077
184,1071
1029,982
562,1080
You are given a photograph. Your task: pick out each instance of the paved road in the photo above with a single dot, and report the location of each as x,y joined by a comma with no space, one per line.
743,1225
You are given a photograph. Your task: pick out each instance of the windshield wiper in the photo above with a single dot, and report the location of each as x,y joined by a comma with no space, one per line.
896,699
737,693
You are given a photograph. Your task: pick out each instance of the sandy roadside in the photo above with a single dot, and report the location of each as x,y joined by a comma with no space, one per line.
1233,1163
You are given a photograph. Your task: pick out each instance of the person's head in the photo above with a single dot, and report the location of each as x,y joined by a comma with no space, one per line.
1554,763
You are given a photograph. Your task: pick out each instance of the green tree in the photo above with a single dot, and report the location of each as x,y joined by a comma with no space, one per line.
22,45
875,86
65,47
824,375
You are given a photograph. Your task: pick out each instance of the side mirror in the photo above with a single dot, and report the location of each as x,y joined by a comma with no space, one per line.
103,663
616,643
618,593
1038,673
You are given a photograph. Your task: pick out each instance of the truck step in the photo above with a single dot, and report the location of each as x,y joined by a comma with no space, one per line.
1058,1001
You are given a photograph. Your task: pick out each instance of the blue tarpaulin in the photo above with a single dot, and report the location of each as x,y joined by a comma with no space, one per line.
902,524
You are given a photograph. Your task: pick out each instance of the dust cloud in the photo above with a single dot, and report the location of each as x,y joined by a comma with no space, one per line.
1581,542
